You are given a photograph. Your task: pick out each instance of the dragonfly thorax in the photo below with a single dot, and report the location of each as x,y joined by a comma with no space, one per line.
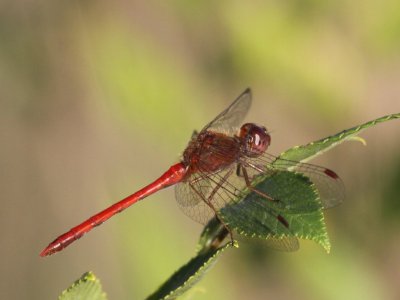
211,151
255,139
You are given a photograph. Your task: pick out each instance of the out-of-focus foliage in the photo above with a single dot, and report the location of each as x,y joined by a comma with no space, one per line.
99,97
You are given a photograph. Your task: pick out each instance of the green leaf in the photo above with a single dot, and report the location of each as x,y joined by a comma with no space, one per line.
311,150
85,288
302,210
296,213
189,274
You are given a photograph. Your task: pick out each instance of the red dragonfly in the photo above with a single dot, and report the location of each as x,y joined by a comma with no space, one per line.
219,162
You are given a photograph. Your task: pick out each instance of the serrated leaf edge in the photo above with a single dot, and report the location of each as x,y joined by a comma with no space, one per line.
205,264
325,243
87,276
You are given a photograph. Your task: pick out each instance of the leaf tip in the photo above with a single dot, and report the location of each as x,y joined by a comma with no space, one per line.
89,276
235,244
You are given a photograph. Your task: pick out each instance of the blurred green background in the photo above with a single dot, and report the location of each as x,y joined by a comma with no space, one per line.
98,98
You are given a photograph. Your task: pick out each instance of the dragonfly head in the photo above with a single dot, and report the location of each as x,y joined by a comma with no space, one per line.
255,139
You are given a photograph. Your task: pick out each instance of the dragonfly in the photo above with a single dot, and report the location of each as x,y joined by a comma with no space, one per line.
219,163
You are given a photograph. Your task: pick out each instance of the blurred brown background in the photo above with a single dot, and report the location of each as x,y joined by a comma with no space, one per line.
98,98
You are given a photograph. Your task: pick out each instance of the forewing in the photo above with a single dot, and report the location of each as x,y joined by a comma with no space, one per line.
330,187
230,119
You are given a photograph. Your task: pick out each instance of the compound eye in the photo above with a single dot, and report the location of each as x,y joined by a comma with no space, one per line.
256,138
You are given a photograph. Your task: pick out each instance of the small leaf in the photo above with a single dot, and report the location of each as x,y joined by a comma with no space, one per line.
189,274
297,212
85,288
311,150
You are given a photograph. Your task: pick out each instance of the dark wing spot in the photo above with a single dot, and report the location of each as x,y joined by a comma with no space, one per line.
283,221
330,173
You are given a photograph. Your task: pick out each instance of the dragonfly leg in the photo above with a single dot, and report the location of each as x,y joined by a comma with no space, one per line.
238,169
250,187
208,201
279,217
222,221
211,196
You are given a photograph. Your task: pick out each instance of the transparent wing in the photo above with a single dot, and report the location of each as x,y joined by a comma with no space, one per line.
230,119
203,194
330,187
286,243
215,233
190,196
